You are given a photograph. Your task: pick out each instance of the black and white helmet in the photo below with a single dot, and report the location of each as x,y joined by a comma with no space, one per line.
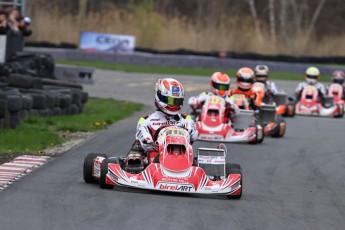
261,73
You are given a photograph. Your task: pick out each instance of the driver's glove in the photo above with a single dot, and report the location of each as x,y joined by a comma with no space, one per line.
189,125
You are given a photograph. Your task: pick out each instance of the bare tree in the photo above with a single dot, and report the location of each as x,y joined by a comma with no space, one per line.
255,19
272,20
316,14
282,18
81,16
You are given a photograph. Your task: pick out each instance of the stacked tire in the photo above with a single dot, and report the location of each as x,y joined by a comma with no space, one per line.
28,87
16,103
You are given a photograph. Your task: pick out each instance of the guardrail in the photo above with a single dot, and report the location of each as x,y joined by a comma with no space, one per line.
177,60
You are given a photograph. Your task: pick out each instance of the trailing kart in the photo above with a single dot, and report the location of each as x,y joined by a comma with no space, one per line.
309,104
336,91
173,170
212,124
283,106
269,114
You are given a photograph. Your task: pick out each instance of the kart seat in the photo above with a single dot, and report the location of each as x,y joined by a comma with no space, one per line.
213,112
177,150
243,120
280,98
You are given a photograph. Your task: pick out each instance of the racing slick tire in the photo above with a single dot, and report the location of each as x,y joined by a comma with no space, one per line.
104,170
88,167
234,169
279,131
260,140
341,112
290,110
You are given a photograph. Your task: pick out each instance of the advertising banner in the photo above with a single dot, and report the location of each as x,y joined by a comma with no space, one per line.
106,42
3,39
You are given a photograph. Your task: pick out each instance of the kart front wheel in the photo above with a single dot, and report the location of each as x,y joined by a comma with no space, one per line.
88,167
104,172
234,169
255,141
261,131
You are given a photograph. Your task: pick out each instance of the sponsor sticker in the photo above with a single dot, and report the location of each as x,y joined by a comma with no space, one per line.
211,159
175,187
175,90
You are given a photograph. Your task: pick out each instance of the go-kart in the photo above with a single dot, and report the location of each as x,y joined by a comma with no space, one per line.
173,170
310,104
336,91
269,115
284,106
212,124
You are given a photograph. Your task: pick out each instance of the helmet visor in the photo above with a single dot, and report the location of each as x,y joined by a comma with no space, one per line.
250,80
338,80
220,86
170,100
312,76
261,77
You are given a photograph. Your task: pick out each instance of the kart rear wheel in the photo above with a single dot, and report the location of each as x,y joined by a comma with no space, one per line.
341,112
234,169
279,131
104,170
88,167
290,110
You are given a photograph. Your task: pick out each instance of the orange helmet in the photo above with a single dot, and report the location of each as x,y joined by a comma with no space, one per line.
220,84
245,78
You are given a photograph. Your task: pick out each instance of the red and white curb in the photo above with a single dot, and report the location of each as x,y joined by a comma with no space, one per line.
20,166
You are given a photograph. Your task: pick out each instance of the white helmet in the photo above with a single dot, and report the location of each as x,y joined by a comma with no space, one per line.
312,75
261,73
169,96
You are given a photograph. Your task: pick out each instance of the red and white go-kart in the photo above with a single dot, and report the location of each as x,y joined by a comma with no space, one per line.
309,104
336,91
211,126
174,170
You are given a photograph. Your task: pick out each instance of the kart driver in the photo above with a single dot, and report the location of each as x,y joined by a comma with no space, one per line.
261,75
245,81
338,78
220,86
169,96
312,75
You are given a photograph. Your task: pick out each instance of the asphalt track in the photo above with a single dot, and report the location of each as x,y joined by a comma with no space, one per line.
297,182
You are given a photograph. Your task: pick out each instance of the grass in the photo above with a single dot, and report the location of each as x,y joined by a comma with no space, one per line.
131,68
35,134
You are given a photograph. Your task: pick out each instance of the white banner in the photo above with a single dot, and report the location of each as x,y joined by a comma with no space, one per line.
106,42
3,39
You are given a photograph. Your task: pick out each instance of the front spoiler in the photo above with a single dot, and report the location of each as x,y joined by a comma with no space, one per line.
318,111
193,182
232,136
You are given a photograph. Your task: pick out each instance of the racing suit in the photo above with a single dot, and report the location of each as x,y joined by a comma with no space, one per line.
270,91
230,111
254,103
320,88
271,87
148,125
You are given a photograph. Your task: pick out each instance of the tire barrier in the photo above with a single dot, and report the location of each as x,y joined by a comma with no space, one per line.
28,88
